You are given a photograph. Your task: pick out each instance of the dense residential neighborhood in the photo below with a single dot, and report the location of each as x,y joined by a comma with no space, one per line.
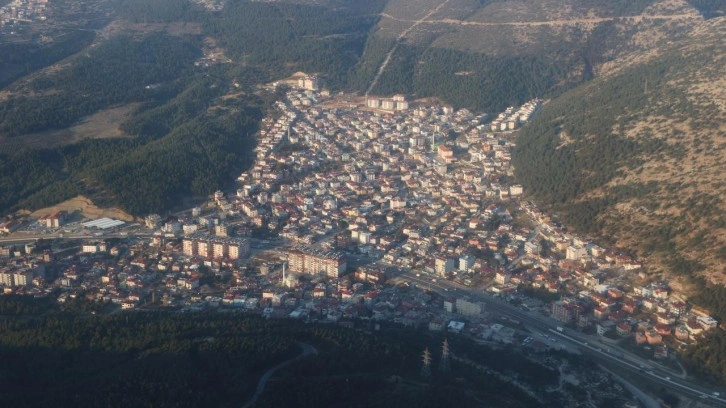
358,209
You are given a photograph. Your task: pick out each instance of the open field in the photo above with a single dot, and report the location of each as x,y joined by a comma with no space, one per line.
86,207
101,125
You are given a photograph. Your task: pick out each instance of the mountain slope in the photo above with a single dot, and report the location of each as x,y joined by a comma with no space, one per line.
489,54
636,155
185,77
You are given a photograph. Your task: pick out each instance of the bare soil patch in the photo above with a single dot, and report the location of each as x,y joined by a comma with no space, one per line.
101,125
85,207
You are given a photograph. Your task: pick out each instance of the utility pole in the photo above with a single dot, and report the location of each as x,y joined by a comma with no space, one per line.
445,365
426,366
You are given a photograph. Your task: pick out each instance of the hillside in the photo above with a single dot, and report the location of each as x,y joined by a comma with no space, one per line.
154,105
489,54
636,155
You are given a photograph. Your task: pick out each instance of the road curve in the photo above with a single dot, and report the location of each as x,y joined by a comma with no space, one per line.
307,350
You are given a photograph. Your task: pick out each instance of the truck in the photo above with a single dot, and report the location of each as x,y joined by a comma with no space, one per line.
560,329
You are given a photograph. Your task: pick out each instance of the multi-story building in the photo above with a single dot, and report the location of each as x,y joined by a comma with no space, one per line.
313,262
55,219
214,247
6,278
502,277
562,311
93,247
221,230
443,265
575,253
466,262
23,277
532,248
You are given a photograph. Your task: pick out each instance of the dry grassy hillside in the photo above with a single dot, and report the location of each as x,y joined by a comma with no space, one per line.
688,113
636,156
520,27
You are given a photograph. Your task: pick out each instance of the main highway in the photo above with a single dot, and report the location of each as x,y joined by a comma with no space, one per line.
587,345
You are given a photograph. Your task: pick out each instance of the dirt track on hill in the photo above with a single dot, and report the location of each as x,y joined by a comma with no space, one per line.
574,21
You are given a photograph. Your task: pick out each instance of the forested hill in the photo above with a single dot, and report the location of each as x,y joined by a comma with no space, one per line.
168,90
636,156
489,54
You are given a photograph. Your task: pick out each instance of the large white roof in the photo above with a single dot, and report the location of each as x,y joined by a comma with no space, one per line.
103,223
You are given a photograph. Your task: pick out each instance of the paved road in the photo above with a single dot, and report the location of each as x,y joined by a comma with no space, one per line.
307,350
588,345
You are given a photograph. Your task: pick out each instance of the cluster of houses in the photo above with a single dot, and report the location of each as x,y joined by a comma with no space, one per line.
402,184
512,119
23,10
418,189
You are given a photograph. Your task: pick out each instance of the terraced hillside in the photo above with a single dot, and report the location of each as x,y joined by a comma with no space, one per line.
636,155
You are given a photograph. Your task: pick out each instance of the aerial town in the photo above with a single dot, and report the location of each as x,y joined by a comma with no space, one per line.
367,208
23,11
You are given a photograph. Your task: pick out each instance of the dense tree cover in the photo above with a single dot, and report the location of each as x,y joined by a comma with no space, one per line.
715,297
121,70
19,305
182,146
25,173
286,37
576,145
707,358
160,11
141,359
465,79
482,82
23,58
279,38
709,8
215,359
194,159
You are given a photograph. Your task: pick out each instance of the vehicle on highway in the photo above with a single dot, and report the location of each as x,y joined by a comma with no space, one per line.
433,280
418,275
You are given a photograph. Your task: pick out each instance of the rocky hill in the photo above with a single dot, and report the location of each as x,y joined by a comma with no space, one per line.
636,155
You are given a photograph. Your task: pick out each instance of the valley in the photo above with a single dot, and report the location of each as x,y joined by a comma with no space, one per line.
556,143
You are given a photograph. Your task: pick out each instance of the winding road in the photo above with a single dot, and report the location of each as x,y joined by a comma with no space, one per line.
307,350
